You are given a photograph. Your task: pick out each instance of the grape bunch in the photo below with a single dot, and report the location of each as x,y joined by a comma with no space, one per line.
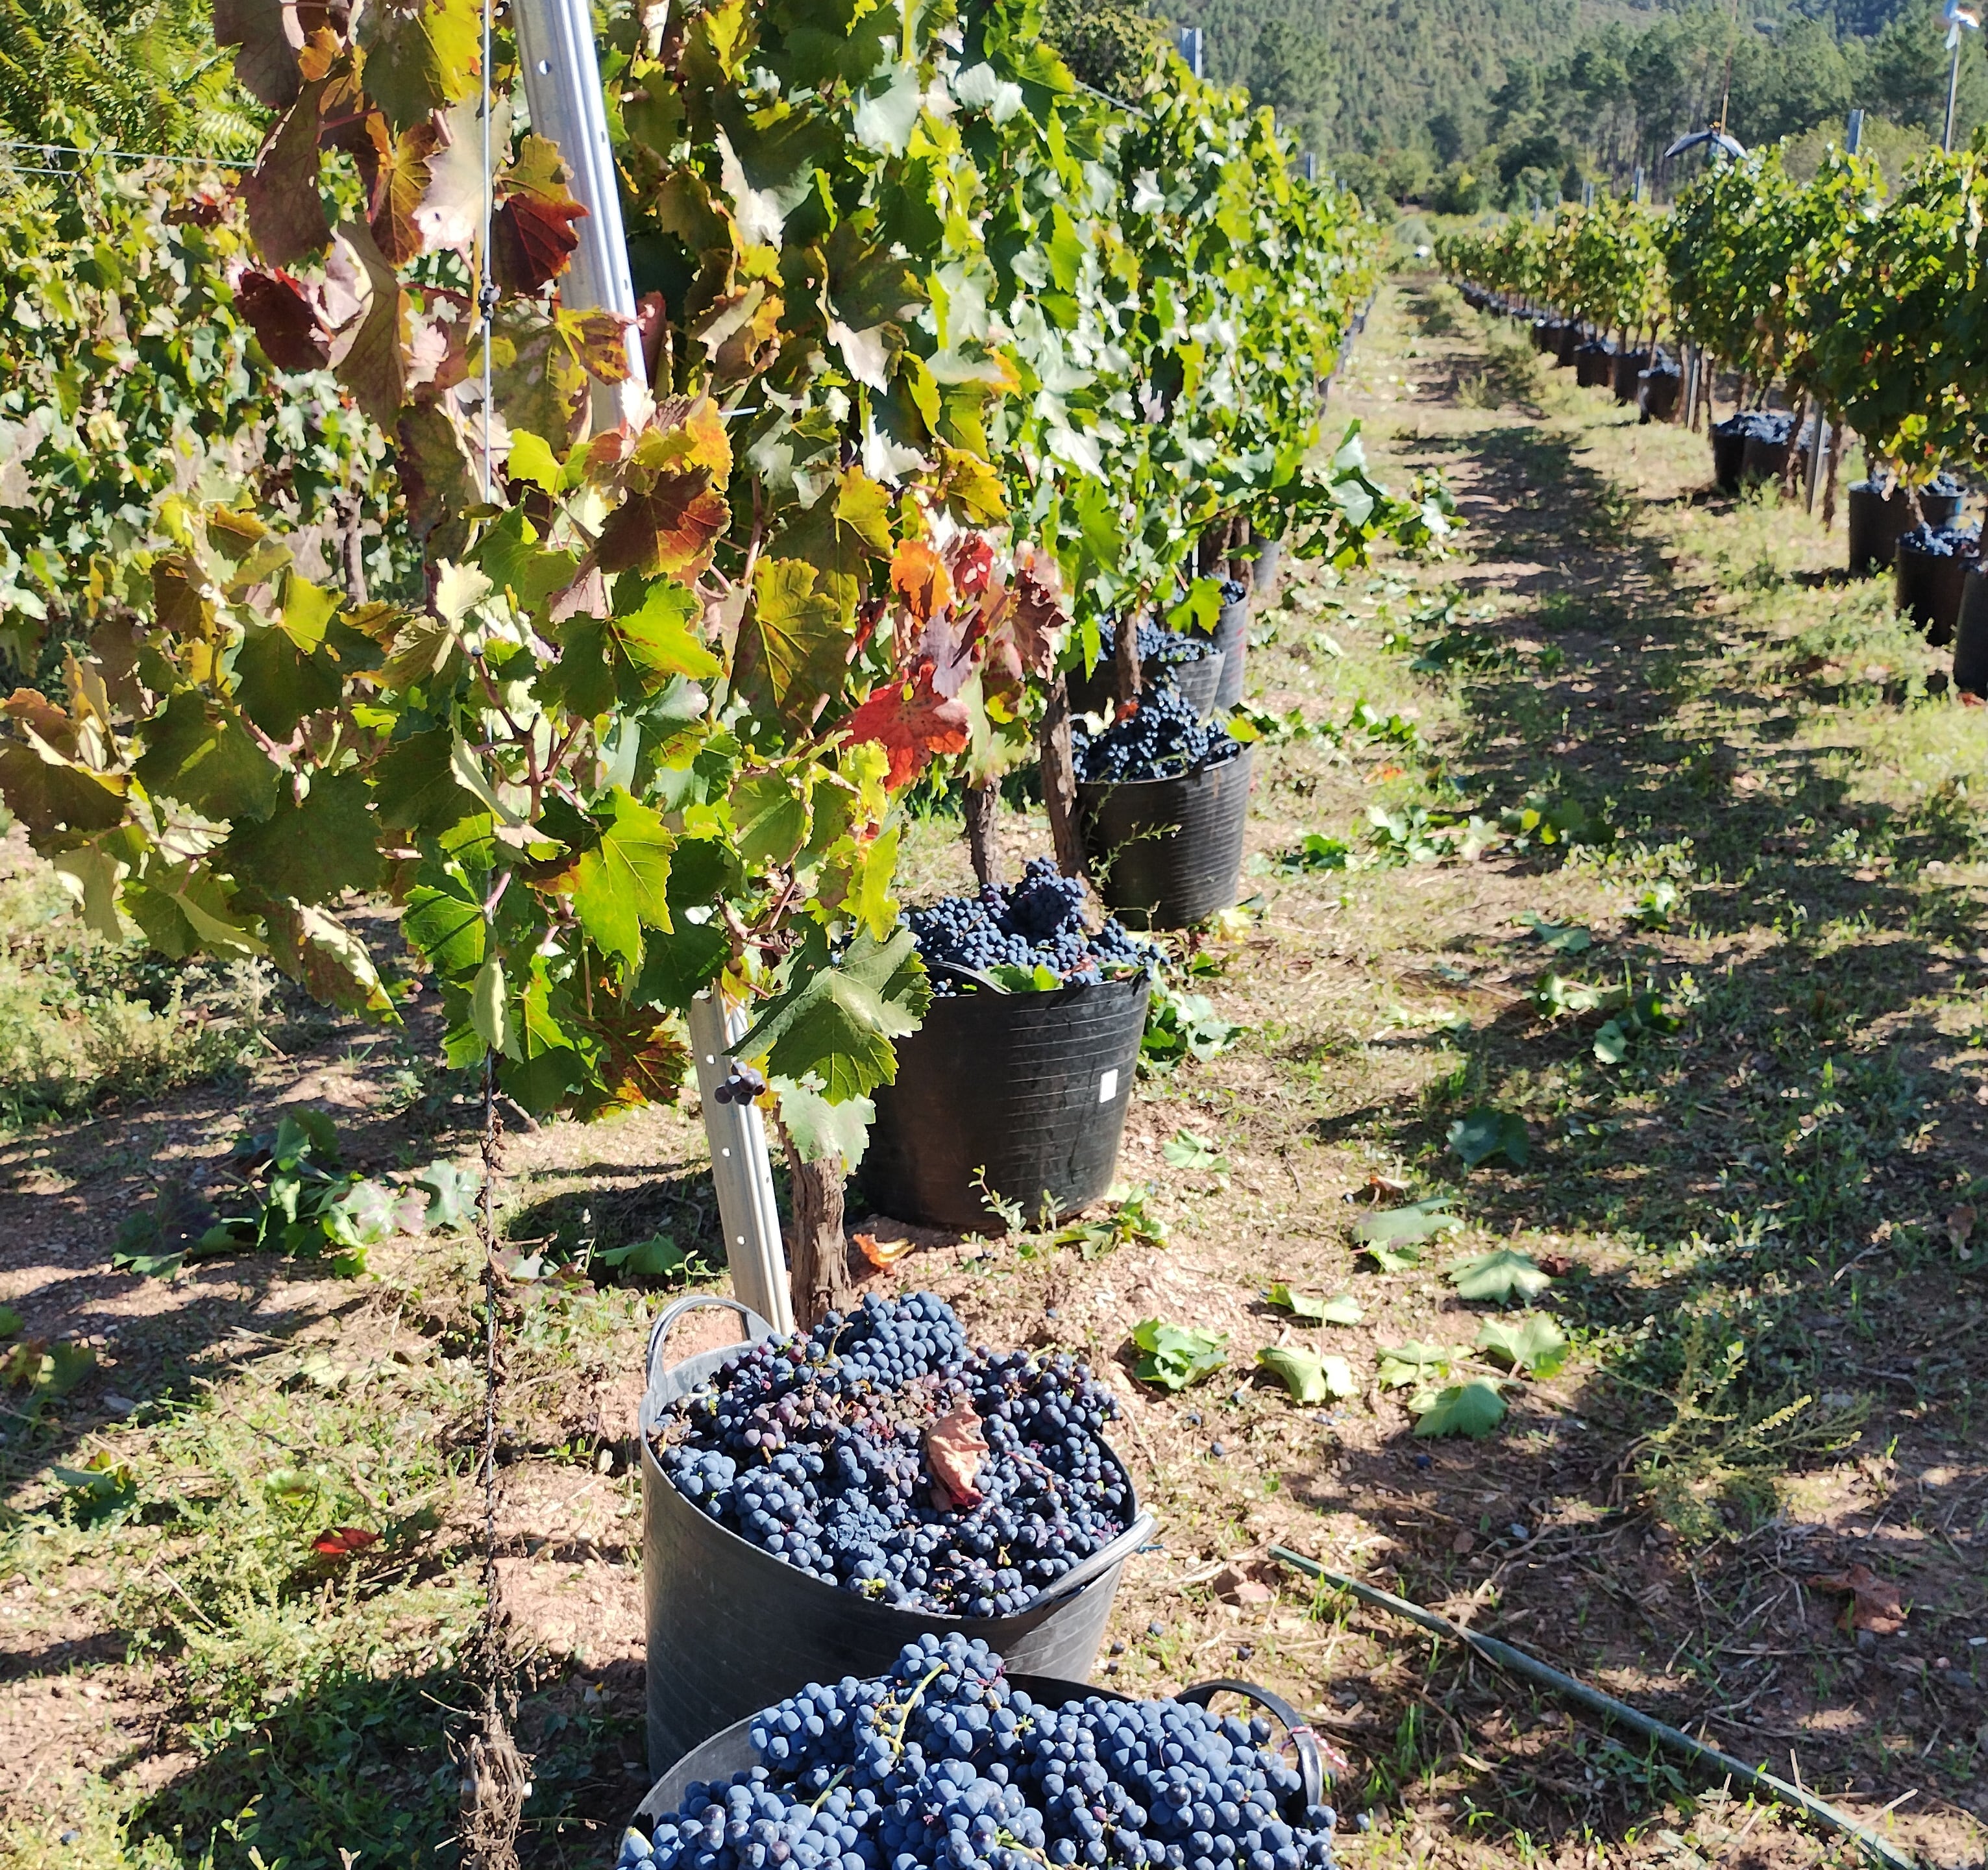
739,1085
1943,542
1942,485
817,1447
943,1764
1165,648
1037,922
1757,425
1232,591
1160,739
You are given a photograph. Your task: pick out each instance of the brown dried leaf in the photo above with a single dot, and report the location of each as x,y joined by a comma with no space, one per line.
1959,1226
955,1449
1874,1603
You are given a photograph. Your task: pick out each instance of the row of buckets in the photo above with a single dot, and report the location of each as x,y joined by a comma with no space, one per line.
1945,593
1024,1095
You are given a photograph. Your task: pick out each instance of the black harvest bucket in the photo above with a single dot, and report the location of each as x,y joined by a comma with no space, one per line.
1928,587
1026,1093
1970,634
1877,518
1164,853
717,1759
1231,644
732,1630
1200,682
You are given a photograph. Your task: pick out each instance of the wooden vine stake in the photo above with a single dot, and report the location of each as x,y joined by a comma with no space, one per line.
494,1778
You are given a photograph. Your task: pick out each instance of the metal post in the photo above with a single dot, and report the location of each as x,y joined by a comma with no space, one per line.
1953,90
1818,446
1193,45
1636,192
1853,133
740,1168
562,88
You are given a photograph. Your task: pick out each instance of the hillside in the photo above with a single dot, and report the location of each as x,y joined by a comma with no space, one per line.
1515,99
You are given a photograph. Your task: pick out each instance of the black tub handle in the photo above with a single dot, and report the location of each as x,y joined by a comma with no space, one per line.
1311,1755
757,1327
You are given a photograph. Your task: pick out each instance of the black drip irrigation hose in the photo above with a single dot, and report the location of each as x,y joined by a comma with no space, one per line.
1516,1662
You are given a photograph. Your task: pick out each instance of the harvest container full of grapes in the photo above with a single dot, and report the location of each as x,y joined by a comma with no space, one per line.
734,1627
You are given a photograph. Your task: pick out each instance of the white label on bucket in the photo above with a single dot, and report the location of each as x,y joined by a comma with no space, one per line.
1107,1086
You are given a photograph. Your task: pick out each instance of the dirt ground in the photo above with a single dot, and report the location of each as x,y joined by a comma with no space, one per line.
1756,1205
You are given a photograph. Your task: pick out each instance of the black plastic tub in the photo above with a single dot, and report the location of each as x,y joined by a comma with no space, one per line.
1729,456
1166,854
1970,634
1630,366
1657,389
1594,365
1545,334
1763,460
1875,519
1199,682
1927,587
1263,572
1570,342
732,1630
1025,1092
1232,645
731,1751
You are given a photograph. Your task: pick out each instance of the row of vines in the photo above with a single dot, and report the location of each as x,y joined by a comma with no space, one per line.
616,677
1868,306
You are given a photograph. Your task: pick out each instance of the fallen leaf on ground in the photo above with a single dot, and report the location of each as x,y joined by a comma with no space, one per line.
1235,1586
956,1447
1960,1225
1874,1603
881,1253
342,1541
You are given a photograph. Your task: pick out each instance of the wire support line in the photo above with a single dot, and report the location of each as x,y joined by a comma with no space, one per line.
94,155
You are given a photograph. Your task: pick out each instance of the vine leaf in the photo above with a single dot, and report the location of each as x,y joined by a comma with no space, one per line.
420,59
1486,1132
836,1019
327,960
534,241
1414,1362
285,212
1176,1354
1473,1409
621,883
794,645
956,1448
1409,1226
819,1129
267,35
912,722
284,320
1497,1277
1310,1377
312,849
1533,1343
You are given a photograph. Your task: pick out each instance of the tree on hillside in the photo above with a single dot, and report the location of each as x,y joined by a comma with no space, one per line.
144,76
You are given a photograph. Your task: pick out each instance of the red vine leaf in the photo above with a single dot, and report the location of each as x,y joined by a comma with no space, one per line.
285,321
670,525
267,35
912,722
533,237
343,1541
918,577
285,212
955,1449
